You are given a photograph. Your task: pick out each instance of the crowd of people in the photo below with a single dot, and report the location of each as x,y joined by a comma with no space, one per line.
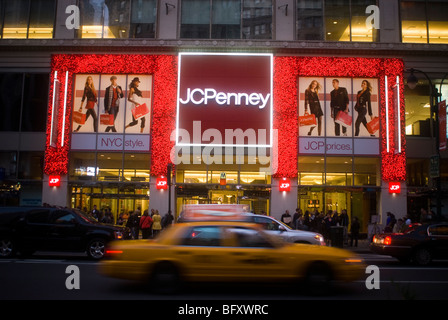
143,225
321,222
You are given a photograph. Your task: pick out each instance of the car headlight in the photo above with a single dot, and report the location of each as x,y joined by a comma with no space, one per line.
320,238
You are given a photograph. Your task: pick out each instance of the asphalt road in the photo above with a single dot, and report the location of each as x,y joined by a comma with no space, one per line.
44,277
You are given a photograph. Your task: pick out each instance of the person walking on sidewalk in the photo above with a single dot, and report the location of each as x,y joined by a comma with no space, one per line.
354,232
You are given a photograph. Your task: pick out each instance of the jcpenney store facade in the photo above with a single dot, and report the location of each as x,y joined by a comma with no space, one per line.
255,129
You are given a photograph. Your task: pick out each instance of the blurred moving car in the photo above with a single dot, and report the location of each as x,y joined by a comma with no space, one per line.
232,212
419,244
29,229
226,251
288,234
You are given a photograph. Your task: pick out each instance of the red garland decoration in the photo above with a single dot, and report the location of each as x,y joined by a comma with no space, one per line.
288,69
164,71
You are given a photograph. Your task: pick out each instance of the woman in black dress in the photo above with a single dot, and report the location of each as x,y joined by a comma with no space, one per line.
363,106
312,101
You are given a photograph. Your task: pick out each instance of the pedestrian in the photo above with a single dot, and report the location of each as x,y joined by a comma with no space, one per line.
296,216
133,224
343,220
95,213
399,226
156,224
286,218
145,225
167,220
354,235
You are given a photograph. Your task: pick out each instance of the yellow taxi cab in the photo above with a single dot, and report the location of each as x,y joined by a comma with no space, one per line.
226,251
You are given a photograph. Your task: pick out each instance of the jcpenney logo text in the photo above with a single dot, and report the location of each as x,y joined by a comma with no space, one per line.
203,96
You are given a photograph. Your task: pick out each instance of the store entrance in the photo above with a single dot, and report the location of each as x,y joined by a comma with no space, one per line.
118,198
257,199
359,202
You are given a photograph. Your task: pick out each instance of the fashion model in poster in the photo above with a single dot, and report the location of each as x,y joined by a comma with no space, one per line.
135,96
112,101
91,95
312,102
363,106
339,103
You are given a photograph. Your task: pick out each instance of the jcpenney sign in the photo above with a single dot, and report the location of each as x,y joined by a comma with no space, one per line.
203,97
224,92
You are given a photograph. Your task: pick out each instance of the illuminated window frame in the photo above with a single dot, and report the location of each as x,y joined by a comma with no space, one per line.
24,32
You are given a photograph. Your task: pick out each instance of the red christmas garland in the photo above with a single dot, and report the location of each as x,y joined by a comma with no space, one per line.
286,71
164,70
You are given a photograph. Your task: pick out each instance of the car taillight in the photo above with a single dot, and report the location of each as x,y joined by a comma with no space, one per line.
113,253
387,241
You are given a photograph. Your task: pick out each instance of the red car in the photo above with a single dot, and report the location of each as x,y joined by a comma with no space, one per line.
419,244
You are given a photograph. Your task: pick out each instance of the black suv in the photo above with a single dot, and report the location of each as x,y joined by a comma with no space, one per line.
28,229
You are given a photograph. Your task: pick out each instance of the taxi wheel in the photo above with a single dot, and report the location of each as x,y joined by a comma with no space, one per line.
165,279
318,279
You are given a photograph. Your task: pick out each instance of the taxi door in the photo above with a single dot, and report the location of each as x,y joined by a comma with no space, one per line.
202,253
254,256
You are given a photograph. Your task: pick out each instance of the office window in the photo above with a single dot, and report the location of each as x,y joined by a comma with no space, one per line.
35,102
118,19
24,19
11,87
226,19
143,19
309,23
195,20
424,21
26,96
334,20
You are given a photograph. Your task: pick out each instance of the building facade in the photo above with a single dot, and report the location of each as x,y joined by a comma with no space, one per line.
73,73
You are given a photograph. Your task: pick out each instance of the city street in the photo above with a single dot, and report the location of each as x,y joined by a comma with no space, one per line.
44,277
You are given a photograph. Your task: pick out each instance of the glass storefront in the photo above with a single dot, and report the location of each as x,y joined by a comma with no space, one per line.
223,184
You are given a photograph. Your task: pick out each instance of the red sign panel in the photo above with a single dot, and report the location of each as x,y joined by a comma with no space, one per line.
394,187
162,183
55,181
285,185
224,99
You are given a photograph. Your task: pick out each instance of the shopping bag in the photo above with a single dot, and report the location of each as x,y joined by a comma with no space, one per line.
140,111
107,119
79,117
374,125
307,120
344,119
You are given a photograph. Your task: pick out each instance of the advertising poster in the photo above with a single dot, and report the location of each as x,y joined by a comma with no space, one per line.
85,105
311,106
111,103
365,108
339,112
338,107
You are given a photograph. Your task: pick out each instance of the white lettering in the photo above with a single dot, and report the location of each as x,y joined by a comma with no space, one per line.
199,96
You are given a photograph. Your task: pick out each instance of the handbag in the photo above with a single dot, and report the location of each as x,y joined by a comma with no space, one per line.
140,111
107,119
307,120
79,117
344,119
374,125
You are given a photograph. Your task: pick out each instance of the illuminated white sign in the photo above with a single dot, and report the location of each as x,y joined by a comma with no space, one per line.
198,96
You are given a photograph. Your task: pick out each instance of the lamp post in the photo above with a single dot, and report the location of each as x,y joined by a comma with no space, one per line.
434,104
